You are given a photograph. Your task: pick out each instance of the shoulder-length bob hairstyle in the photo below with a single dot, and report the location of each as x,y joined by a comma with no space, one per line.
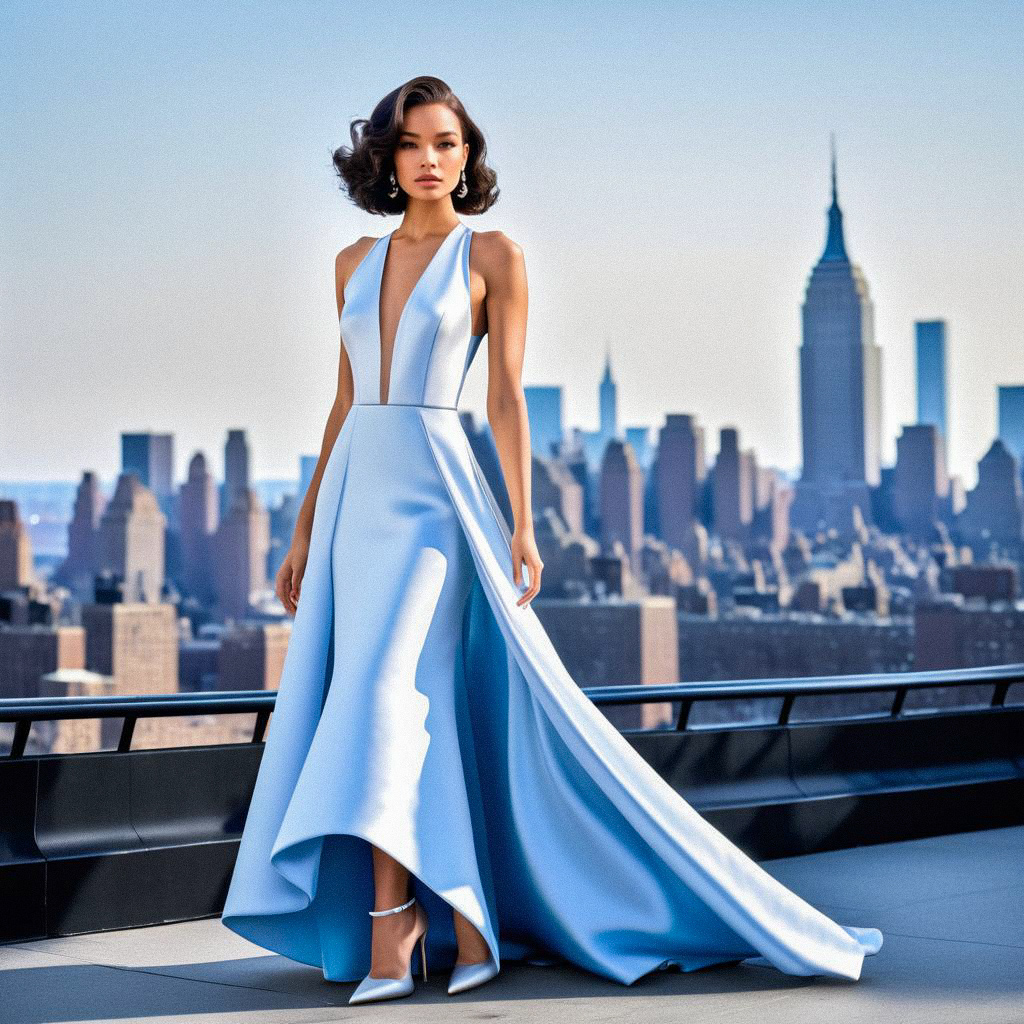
365,167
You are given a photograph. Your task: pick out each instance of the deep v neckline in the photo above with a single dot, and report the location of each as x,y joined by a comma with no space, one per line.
405,308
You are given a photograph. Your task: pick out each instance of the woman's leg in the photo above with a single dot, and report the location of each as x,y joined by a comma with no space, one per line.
473,948
394,935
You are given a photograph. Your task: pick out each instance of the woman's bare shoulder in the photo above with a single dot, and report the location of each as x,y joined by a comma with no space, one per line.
496,244
496,255
350,257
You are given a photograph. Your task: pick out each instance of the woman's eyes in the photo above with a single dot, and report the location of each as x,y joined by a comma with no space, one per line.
403,145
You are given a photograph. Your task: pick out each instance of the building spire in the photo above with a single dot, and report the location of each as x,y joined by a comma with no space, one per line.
835,244
835,190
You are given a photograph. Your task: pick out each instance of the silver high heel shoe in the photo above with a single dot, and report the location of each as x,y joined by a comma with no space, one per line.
373,989
465,976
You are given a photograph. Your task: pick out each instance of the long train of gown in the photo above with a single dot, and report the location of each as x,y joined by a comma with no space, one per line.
421,710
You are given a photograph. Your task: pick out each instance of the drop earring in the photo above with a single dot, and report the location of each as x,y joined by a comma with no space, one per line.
394,187
463,188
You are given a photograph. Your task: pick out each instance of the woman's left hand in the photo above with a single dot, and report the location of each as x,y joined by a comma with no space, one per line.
524,552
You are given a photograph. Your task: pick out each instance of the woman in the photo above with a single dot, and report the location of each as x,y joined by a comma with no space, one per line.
429,755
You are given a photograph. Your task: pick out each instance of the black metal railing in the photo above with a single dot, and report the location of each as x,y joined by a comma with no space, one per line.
1002,677
82,835
24,712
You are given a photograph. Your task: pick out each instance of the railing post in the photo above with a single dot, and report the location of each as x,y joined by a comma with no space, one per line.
21,731
684,714
125,742
260,728
787,707
897,704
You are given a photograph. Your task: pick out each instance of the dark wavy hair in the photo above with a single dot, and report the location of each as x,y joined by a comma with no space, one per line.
365,167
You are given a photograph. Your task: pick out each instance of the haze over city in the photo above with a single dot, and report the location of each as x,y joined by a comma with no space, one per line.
171,216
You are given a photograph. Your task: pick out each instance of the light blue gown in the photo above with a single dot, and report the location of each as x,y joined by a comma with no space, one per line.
422,711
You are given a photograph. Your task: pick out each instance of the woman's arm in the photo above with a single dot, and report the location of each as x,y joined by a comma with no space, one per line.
504,271
343,265
289,578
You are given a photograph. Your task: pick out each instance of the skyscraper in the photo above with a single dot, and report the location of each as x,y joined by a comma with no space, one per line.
733,488
1011,418
199,518
921,482
681,469
151,458
622,499
931,373
15,548
241,546
236,471
131,540
609,427
639,438
995,508
76,571
840,388
307,466
544,410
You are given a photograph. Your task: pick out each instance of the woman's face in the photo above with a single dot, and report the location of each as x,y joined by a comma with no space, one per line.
430,154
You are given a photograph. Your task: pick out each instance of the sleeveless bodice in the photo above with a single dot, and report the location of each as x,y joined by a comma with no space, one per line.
434,344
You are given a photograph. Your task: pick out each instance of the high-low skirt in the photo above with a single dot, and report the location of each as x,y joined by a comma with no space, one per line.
421,710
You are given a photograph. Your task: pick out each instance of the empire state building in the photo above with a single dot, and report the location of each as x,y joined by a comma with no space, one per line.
840,389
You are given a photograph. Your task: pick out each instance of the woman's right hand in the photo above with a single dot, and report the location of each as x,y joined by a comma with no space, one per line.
289,577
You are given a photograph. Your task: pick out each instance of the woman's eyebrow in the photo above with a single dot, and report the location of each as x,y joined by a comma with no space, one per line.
416,135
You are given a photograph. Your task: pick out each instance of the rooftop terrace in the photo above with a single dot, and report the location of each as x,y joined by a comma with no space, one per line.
951,909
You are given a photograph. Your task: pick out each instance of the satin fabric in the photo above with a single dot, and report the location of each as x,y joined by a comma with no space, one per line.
421,710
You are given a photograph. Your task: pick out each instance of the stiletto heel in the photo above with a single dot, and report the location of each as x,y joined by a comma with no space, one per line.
373,989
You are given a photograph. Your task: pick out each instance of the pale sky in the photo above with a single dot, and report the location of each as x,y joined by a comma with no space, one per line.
170,215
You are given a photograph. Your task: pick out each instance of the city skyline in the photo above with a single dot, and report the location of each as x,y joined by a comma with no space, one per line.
171,242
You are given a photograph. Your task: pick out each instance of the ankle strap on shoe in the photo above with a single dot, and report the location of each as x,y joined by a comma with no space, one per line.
393,910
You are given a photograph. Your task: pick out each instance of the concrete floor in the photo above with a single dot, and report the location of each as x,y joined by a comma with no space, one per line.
951,910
